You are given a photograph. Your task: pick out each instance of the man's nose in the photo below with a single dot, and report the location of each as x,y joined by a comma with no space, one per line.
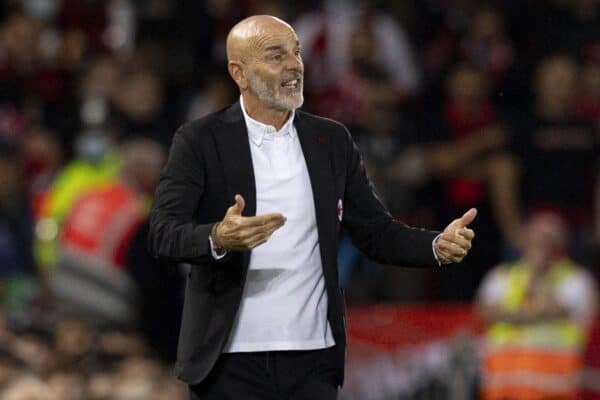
295,63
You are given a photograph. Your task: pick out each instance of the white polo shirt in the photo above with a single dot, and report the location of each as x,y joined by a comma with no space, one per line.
284,303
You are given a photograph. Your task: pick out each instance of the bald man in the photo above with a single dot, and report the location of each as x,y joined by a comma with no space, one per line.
264,316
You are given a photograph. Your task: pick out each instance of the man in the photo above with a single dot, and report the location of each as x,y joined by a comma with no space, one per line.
551,134
538,309
97,232
263,315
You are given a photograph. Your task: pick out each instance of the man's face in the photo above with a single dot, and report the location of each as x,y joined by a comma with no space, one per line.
557,80
275,71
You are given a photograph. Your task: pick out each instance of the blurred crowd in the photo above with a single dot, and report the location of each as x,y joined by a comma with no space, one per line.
453,103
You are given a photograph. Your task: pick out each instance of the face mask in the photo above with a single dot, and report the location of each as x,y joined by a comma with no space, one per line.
92,146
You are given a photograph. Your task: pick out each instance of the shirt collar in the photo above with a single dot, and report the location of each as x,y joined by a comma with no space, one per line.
257,131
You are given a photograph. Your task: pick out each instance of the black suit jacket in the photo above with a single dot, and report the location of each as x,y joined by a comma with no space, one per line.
209,162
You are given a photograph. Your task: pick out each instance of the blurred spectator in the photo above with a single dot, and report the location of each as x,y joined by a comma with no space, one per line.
98,230
538,309
487,45
474,133
66,384
484,44
328,37
20,59
121,26
9,370
72,342
216,93
364,87
392,155
101,221
444,23
35,72
138,107
98,82
556,154
26,388
96,162
34,350
82,364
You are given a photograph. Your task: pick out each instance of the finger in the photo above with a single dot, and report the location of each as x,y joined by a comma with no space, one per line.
450,248
468,217
255,240
264,219
238,206
442,252
267,228
243,233
467,233
261,239
457,240
445,257
456,259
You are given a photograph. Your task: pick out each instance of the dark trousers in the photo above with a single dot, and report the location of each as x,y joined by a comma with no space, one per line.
271,375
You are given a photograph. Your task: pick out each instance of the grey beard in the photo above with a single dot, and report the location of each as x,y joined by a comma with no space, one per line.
269,97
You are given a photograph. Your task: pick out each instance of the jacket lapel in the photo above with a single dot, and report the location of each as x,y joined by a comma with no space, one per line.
317,150
234,152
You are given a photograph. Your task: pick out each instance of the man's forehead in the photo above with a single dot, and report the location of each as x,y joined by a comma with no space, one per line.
276,40
254,35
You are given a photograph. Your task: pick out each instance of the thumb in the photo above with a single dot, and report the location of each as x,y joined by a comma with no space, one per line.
467,217
237,207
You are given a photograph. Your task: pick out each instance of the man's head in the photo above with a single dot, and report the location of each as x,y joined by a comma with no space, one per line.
263,55
467,86
556,83
546,239
141,162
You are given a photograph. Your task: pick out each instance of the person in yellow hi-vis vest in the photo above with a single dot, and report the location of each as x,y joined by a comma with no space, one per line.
538,309
97,163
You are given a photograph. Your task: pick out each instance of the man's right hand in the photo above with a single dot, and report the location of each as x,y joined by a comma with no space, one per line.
239,233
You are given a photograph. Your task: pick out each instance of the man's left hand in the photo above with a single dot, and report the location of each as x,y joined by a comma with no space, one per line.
455,242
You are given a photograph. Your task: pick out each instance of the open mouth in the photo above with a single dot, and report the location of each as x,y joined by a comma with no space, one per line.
291,84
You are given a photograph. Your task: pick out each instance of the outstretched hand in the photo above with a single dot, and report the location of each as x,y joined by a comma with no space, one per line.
455,242
238,233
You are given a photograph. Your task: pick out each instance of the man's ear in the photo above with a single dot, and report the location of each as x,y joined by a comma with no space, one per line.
237,74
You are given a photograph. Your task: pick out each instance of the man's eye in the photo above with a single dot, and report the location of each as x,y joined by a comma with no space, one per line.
276,57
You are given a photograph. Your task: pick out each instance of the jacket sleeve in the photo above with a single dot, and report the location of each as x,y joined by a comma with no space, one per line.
372,228
174,235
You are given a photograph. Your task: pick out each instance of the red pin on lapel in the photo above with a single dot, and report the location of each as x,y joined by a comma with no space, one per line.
321,139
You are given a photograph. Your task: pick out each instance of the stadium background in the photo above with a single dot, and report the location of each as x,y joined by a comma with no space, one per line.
444,97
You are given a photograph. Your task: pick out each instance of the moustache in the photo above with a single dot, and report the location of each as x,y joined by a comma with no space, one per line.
291,76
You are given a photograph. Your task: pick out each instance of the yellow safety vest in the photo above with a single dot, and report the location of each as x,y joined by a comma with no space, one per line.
535,361
75,178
